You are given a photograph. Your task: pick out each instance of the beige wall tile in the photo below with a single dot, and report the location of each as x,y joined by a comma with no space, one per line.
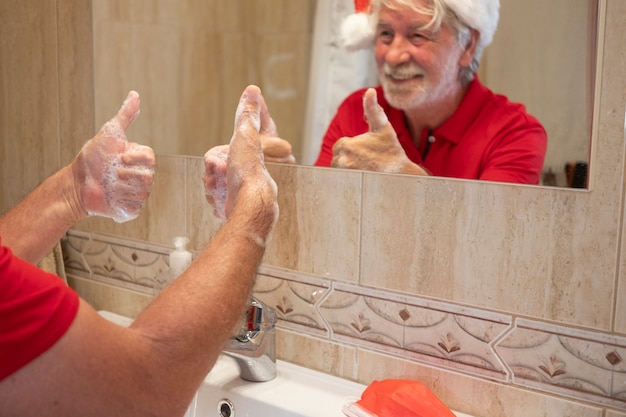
110,298
326,244
28,106
615,62
620,309
314,353
532,254
76,98
112,10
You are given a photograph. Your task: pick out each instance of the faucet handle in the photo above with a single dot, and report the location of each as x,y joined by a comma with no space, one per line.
254,344
258,317
254,315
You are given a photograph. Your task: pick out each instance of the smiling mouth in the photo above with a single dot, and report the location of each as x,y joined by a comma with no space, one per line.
403,77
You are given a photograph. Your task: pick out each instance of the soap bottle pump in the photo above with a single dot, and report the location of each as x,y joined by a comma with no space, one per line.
180,259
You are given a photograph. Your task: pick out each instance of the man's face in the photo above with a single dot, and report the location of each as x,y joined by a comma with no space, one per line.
417,66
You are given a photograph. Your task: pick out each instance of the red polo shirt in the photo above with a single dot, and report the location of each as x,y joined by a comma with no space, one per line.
487,138
36,309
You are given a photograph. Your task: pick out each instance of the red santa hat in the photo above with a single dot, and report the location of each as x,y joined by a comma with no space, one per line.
357,30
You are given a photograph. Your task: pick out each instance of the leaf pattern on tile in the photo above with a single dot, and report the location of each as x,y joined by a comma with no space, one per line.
361,323
553,367
352,316
450,343
107,267
564,363
284,306
459,339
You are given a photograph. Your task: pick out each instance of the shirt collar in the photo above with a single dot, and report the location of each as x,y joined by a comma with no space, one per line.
455,127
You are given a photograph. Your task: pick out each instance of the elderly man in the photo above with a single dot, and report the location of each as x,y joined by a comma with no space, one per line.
431,114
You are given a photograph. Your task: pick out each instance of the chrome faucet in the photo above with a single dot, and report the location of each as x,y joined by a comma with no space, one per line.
254,344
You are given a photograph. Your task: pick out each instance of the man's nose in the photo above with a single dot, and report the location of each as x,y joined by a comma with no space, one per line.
398,52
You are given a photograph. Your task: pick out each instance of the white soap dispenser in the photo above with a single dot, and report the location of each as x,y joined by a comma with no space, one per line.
180,259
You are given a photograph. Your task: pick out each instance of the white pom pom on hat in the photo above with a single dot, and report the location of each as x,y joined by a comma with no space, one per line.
357,31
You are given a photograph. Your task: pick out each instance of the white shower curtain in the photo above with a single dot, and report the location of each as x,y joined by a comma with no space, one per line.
334,73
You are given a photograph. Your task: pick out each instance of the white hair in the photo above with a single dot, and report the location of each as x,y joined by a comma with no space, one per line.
461,15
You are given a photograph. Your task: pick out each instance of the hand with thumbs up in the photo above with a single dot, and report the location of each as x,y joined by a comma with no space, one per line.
109,177
235,177
113,176
376,150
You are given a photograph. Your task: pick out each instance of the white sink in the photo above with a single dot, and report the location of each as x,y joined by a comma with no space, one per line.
295,392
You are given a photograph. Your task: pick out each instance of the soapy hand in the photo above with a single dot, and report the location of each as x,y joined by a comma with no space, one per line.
235,176
376,150
113,176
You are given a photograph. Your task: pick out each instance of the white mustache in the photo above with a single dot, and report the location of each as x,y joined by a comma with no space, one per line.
403,71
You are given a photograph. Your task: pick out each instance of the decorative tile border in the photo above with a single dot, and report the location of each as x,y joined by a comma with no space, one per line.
294,302
455,341
131,265
587,366
570,362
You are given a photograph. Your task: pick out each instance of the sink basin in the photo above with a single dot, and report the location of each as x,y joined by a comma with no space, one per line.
295,392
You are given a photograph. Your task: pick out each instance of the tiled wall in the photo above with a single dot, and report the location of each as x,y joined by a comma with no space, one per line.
471,342
332,320
46,90
505,300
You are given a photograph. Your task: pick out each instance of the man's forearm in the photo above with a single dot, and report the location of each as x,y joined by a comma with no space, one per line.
191,319
35,225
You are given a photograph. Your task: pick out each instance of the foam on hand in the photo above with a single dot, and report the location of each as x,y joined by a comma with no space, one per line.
215,180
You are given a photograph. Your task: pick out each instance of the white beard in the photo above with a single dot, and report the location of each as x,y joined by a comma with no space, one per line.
419,90
408,95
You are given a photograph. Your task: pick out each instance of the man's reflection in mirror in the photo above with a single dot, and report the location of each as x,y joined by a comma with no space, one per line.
431,115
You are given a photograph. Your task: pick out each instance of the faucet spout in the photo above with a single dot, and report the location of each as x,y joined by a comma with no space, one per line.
254,345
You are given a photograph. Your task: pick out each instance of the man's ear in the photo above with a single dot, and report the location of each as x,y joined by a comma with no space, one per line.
470,49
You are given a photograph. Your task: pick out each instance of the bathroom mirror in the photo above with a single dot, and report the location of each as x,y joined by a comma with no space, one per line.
190,60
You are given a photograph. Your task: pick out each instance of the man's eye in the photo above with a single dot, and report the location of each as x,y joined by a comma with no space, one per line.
385,35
